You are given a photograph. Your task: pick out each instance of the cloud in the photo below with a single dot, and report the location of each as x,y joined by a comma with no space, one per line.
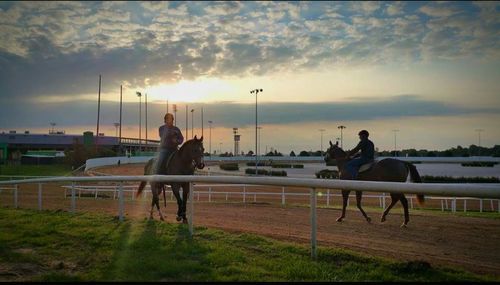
61,47
230,114
439,11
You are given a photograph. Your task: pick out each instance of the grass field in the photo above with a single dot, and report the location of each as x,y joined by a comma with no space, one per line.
60,246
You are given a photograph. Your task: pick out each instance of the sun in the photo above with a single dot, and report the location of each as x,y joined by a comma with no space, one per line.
190,91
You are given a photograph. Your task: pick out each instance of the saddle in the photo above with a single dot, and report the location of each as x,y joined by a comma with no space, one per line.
367,166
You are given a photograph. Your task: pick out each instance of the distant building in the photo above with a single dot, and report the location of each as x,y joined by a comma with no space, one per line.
13,145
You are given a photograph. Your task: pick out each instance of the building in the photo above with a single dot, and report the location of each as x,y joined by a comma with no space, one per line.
14,145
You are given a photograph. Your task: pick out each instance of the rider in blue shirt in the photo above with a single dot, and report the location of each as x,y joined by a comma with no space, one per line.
367,149
171,137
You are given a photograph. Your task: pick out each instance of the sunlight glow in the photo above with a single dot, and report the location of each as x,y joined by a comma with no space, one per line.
207,90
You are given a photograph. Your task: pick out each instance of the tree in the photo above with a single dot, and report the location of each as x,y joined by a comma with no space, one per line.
304,153
292,153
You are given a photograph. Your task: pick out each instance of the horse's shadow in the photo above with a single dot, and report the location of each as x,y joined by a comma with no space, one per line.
159,252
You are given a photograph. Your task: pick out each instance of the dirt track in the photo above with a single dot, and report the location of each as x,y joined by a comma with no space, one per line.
441,239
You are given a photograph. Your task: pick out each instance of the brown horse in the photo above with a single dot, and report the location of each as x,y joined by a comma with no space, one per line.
391,170
182,162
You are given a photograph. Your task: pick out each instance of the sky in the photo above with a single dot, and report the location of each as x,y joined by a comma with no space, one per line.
421,75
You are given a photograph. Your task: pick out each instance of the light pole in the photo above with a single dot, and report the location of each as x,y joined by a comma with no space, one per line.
174,106
146,107
395,149
140,115
192,123
258,149
116,128
52,124
98,113
321,131
120,138
187,123
220,148
256,91
479,140
210,137
341,135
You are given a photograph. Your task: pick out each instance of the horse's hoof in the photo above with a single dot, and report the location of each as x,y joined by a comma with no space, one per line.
369,220
382,219
178,218
404,225
184,221
339,219
161,218
150,217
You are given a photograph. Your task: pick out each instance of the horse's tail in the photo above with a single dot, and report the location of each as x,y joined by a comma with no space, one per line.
415,177
141,187
147,169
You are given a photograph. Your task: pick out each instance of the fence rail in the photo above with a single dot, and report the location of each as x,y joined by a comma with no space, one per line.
478,190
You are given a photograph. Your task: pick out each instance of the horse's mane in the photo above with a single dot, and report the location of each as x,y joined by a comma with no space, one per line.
188,142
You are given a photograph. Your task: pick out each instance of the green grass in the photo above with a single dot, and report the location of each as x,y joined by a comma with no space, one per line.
36,170
59,246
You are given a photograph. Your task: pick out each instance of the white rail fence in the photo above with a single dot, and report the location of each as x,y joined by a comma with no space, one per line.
447,203
489,191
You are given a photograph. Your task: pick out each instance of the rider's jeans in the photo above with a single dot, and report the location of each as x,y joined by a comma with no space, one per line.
354,165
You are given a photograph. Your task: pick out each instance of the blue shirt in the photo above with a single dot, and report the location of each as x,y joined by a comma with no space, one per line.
367,149
170,137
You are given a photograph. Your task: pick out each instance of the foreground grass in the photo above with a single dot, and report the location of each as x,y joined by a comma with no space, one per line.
59,246
36,170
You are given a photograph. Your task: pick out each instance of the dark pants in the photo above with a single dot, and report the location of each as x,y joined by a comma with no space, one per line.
354,165
161,164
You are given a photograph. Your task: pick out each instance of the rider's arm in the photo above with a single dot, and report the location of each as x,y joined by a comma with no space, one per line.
354,150
180,138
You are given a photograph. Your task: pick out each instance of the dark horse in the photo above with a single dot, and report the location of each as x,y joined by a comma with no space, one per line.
388,169
182,162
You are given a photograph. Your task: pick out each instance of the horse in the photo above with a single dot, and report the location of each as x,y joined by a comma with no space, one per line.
388,169
182,162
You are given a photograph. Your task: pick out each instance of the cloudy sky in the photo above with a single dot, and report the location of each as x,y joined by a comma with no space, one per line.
428,69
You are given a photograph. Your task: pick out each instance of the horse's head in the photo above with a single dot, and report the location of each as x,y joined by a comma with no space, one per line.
195,151
334,152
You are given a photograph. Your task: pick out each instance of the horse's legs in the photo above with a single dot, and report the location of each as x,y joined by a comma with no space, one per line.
394,199
359,194
175,190
156,188
185,195
404,201
345,196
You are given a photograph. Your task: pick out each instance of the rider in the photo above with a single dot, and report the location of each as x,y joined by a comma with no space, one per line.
367,154
171,137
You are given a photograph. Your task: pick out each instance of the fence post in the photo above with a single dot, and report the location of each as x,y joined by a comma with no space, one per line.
283,196
226,196
465,205
244,194
15,197
39,196
498,207
313,223
209,194
446,203
411,202
191,208
254,197
120,202
491,205
328,197
73,198
481,205
442,206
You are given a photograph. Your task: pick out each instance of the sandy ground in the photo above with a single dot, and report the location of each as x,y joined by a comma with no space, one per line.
439,238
